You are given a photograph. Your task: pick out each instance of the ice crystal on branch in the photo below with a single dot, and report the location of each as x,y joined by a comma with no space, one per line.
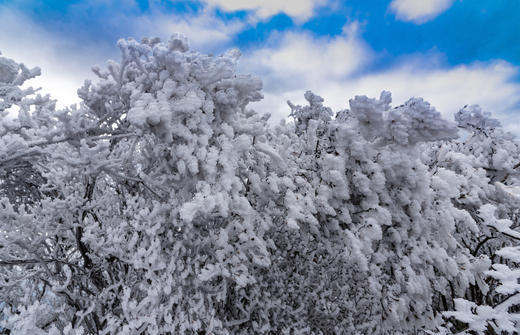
164,205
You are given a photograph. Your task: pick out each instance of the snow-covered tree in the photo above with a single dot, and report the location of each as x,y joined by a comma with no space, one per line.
163,204
486,163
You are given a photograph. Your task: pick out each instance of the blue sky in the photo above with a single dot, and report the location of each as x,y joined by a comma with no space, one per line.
451,52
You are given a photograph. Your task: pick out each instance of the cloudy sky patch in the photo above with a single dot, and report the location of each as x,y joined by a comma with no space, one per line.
419,11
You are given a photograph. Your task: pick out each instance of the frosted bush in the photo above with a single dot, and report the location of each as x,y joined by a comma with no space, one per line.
164,205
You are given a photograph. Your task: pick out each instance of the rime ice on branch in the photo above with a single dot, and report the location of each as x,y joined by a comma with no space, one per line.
164,205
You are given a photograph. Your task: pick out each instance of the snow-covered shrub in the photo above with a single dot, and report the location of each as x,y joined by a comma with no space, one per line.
164,205
486,163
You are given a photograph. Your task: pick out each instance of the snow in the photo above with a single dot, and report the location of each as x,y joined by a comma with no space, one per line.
164,204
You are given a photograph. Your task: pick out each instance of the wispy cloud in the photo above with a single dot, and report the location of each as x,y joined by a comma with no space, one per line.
65,63
299,10
299,59
206,31
419,11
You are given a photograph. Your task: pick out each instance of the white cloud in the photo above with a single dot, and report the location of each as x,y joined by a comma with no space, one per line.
298,59
330,69
62,63
419,11
300,10
205,31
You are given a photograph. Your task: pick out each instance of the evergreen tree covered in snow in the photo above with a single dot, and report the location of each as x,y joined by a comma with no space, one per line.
164,205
